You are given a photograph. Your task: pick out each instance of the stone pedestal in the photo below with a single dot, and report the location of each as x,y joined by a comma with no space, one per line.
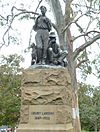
46,100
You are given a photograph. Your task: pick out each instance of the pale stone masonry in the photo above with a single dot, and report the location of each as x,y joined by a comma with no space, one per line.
46,100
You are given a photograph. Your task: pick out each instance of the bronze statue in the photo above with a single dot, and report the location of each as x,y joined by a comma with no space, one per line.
54,54
42,27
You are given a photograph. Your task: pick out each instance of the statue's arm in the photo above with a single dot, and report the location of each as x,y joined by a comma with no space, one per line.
35,25
49,24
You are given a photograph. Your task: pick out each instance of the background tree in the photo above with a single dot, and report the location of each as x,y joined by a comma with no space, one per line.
89,103
89,97
10,80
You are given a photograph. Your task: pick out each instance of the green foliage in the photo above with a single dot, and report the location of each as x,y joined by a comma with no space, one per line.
89,103
10,80
96,62
90,67
11,64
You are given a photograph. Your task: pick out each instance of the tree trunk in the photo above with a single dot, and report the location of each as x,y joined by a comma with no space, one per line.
72,69
60,23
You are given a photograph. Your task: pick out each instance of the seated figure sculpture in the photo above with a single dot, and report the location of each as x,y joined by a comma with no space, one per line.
55,55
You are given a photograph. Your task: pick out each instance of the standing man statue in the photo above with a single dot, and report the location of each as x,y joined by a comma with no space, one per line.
42,27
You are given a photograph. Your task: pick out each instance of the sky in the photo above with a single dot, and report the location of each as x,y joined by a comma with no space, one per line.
23,28
23,32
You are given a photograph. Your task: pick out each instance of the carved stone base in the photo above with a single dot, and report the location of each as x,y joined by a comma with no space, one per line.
46,100
45,128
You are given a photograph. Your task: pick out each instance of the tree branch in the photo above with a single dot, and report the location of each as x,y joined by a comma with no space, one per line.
77,66
34,18
93,10
85,45
80,28
85,34
64,1
22,11
55,27
3,17
67,26
38,6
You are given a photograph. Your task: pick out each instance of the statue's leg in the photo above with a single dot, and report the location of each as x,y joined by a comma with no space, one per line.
39,56
50,55
45,38
61,58
39,47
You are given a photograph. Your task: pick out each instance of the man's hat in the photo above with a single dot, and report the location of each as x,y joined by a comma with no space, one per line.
52,35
